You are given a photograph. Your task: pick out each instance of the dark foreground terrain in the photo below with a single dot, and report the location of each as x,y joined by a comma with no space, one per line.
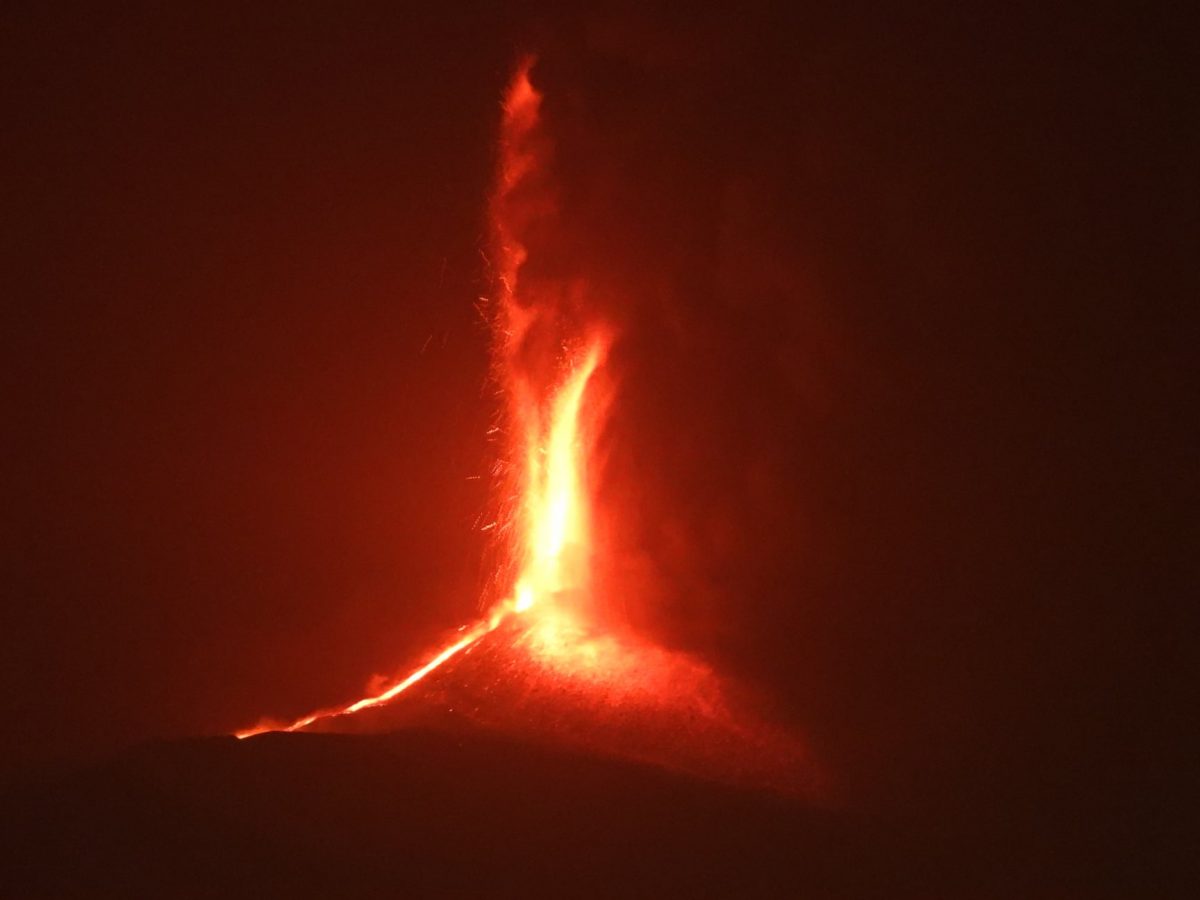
431,811
423,813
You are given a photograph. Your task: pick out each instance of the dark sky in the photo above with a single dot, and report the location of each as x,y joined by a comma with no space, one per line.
902,330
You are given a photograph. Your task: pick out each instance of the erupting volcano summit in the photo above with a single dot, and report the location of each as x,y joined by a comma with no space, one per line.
554,657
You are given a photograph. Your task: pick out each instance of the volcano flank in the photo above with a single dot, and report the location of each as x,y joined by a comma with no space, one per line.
672,713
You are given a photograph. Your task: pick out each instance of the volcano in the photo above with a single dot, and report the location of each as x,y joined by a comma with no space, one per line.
548,655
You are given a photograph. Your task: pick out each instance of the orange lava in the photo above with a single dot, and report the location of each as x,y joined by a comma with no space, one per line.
378,699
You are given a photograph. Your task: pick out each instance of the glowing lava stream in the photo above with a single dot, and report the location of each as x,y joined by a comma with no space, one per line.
379,699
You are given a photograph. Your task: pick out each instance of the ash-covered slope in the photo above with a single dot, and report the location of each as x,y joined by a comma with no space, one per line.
421,813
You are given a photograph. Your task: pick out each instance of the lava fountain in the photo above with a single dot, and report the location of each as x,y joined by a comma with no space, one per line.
547,530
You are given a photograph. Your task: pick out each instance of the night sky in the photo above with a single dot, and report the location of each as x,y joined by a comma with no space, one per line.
902,330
